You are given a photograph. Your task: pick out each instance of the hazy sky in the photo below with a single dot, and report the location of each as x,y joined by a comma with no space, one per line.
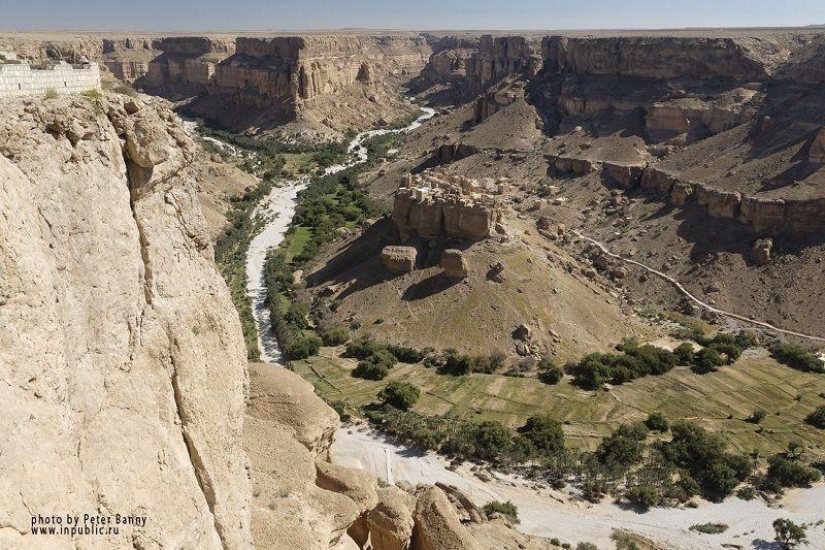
190,15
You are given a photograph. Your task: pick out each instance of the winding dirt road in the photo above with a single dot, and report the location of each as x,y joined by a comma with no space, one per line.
687,293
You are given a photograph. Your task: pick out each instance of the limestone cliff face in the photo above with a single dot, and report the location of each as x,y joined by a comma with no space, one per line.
667,57
472,66
121,355
284,78
796,217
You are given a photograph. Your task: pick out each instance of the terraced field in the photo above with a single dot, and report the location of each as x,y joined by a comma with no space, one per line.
719,401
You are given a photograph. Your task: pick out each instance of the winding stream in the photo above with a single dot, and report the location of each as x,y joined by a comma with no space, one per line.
542,511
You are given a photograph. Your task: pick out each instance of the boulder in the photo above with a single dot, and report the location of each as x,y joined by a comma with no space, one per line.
277,395
680,193
391,523
399,259
436,524
627,175
454,264
761,251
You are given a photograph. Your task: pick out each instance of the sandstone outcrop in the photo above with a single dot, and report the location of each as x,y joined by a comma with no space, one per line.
437,526
454,264
439,203
399,259
280,397
391,523
293,508
797,217
761,251
119,344
628,175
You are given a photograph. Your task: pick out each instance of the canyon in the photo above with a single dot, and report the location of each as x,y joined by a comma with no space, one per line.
700,153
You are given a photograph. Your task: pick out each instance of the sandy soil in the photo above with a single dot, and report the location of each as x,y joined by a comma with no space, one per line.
550,513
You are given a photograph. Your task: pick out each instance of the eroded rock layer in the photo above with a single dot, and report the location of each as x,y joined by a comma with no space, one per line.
120,351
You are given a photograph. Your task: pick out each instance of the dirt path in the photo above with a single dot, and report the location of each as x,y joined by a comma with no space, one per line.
687,293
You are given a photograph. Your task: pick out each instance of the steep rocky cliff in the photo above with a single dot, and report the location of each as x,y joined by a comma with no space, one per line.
122,360
335,82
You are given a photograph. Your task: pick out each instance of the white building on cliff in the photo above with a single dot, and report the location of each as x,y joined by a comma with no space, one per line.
18,79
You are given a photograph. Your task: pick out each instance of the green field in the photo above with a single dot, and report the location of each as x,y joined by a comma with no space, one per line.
752,382
296,241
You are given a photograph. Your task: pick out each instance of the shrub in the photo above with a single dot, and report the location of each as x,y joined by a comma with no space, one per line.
549,373
51,93
361,348
335,336
622,449
684,353
729,351
586,546
757,416
817,418
657,422
707,360
703,456
796,357
370,371
788,473
788,533
507,509
644,496
401,395
303,347
709,528
405,354
545,433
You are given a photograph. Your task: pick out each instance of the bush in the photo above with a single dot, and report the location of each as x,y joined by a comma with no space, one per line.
796,357
549,373
757,416
817,418
507,509
703,456
787,473
707,360
620,450
545,433
788,533
684,353
303,347
644,496
709,528
370,371
586,546
335,336
657,422
401,395
51,93
405,354
361,348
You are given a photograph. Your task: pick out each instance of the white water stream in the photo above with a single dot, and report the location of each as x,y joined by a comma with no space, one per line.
542,512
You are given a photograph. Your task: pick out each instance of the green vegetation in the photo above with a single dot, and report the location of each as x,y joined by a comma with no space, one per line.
335,336
230,254
51,93
788,533
704,457
125,89
709,528
757,416
597,369
817,418
401,395
657,422
796,357
644,496
549,373
507,509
